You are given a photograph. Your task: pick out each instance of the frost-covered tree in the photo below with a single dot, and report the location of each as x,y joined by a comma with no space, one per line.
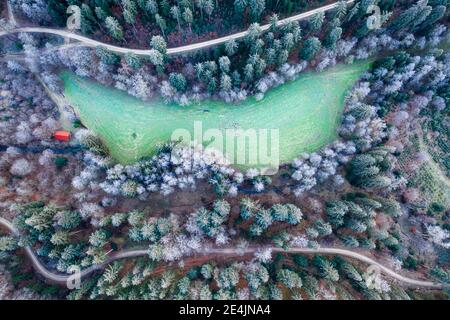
176,14
350,271
439,236
326,268
69,219
60,238
88,19
316,21
21,167
129,11
178,81
371,170
7,243
227,278
231,47
289,279
257,7
98,238
248,208
158,43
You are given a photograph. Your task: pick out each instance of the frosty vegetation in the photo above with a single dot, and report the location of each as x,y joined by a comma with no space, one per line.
266,64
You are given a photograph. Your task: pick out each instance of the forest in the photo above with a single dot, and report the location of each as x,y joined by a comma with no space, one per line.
182,223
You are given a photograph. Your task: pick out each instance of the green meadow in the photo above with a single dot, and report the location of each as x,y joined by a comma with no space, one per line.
306,111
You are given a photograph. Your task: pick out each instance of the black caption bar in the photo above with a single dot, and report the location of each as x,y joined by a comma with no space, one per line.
179,310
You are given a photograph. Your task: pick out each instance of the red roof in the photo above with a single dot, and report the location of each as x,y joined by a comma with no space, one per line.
62,135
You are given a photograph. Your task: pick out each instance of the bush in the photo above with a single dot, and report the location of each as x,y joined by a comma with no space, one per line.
410,263
60,162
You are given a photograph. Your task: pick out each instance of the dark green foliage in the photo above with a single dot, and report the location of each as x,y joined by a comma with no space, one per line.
7,243
310,286
387,63
436,208
410,263
282,239
57,10
392,243
349,241
107,56
386,5
405,19
348,270
300,260
310,48
441,274
369,170
401,59
36,223
178,81
194,273
332,37
436,14
264,218
88,20
134,61
390,207
326,269
69,219
354,219
336,210
60,162
289,279
248,208
44,289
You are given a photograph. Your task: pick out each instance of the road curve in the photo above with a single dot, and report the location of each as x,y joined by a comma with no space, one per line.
171,51
349,254
63,279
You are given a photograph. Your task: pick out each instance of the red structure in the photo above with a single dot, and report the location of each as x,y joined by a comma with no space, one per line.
62,135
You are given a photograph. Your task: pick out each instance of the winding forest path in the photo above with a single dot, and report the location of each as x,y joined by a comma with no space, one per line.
171,51
63,279
11,18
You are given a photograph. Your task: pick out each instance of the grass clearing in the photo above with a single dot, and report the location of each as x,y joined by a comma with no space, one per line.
307,112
